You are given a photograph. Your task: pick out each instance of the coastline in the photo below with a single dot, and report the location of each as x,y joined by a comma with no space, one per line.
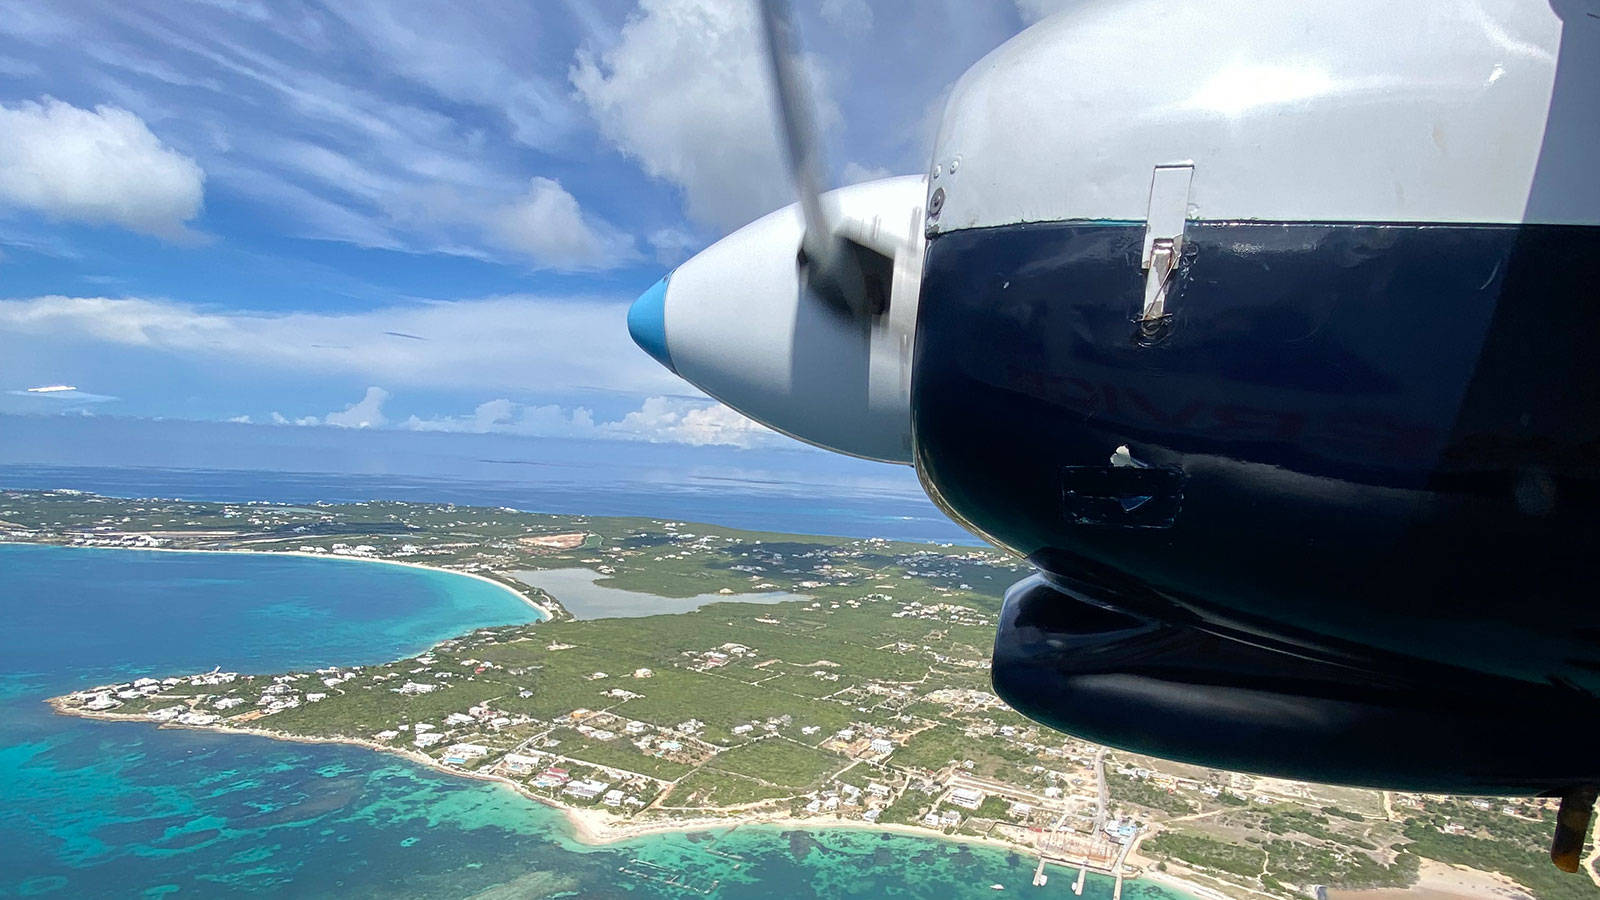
594,827
586,826
548,612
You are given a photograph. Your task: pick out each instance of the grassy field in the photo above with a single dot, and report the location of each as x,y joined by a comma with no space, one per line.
780,762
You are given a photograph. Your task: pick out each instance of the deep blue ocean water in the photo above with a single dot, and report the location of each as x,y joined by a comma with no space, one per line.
91,809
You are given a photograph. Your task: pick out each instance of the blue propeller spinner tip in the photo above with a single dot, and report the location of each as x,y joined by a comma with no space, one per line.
647,323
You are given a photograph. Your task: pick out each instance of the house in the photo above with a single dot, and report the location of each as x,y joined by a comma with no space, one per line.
878,790
586,789
613,797
460,753
966,798
881,745
518,764
552,777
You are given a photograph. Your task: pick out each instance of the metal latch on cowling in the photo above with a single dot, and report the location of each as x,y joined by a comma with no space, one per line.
1163,240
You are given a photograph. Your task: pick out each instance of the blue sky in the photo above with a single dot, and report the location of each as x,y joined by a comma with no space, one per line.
406,215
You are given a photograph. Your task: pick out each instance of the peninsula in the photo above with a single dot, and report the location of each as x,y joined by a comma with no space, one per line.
842,682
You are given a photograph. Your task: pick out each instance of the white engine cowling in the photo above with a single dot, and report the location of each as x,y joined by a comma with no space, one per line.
735,322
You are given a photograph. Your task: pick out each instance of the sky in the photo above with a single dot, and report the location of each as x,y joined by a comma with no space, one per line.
413,215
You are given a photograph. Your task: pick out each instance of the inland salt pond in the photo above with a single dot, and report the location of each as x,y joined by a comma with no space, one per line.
112,809
576,590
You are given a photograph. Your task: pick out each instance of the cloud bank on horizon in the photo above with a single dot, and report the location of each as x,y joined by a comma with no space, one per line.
258,212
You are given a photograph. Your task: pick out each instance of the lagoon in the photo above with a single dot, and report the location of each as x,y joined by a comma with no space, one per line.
576,590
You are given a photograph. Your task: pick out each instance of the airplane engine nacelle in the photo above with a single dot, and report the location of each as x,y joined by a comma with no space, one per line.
736,322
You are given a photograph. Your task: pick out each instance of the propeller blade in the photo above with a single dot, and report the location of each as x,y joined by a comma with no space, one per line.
848,276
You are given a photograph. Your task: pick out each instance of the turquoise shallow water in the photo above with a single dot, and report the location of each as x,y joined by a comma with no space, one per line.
122,809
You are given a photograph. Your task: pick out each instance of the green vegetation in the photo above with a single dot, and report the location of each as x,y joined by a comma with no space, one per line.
1302,863
1146,793
707,788
993,807
1198,850
779,762
1513,846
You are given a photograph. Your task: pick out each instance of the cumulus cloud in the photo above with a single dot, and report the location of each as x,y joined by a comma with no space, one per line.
100,166
364,413
547,226
684,421
676,420
515,343
506,417
686,93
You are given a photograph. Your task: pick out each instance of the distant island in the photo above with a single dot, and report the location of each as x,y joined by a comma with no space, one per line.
863,703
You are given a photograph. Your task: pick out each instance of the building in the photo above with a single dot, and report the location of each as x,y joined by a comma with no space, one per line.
587,789
518,764
966,798
552,777
456,754
613,797
881,745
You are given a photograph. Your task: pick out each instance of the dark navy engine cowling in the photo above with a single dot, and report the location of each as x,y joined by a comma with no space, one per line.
1381,442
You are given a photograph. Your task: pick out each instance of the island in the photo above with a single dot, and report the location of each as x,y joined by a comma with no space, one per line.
816,681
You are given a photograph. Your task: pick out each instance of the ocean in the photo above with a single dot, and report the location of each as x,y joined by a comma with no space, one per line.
109,809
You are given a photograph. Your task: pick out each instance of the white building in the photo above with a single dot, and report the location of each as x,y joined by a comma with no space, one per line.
586,789
966,798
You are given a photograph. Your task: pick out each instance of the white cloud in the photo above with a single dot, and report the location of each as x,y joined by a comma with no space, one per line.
102,167
547,226
506,417
684,421
672,245
364,413
685,91
483,59
675,420
68,397
515,343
